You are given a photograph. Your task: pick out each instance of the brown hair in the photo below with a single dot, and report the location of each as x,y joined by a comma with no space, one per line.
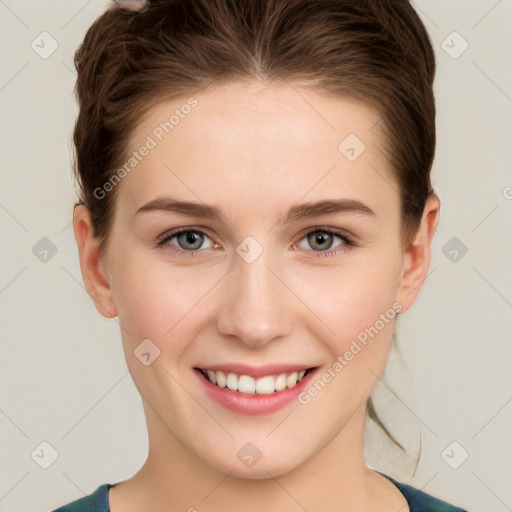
376,51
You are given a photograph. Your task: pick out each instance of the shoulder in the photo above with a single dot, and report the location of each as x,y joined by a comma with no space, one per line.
95,502
420,501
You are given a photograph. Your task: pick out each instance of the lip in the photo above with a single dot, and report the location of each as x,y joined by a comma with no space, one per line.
251,405
255,371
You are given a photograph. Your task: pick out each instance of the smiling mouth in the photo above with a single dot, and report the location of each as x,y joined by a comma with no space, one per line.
265,385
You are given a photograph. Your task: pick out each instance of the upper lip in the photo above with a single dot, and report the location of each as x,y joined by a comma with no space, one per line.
256,371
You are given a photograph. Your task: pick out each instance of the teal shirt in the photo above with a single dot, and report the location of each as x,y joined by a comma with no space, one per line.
418,501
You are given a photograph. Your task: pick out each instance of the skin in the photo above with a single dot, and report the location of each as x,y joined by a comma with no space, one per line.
254,151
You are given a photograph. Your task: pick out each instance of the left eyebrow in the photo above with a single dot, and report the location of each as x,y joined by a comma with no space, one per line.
326,207
297,212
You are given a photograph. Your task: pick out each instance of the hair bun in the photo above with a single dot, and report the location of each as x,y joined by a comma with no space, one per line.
132,6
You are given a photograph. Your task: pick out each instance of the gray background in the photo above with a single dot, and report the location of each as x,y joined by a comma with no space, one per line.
63,377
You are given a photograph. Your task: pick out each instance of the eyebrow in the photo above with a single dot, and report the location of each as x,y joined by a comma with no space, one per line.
296,212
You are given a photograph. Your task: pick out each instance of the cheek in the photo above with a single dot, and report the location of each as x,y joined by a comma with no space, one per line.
359,307
350,297
156,300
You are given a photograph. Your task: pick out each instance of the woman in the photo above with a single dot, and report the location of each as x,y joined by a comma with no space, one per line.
256,208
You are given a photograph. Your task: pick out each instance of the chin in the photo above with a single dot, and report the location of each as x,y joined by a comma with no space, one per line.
259,469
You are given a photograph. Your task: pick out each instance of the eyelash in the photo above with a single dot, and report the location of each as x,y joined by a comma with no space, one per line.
348,242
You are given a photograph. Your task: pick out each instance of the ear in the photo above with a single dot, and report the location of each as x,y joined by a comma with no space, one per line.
416,261
93,263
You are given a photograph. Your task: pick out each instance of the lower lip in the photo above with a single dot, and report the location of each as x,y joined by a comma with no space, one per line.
244,403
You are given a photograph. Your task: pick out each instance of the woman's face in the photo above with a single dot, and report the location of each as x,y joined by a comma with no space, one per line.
299,268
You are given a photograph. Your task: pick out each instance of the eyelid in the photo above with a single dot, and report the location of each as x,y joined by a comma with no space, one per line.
348,240
163,239
176,231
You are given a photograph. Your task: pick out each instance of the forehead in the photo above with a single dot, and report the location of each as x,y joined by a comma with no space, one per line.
238,144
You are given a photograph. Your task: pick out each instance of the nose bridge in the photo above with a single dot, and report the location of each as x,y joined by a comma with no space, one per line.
253,308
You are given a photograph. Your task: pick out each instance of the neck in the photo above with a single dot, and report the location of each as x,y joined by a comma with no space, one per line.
335,477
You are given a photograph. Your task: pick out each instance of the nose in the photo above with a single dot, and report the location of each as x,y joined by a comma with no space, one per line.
255,307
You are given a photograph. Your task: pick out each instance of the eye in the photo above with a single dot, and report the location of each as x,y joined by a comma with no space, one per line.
191,242
186,240
322,240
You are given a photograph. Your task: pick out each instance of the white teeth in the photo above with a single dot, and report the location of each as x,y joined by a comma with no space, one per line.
280,384
232,382
265,385
291,380
246,384
220,379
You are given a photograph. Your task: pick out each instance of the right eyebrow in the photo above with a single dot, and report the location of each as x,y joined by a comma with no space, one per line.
193,209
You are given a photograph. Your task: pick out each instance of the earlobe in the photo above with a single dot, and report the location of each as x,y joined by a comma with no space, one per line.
92,263
416,261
